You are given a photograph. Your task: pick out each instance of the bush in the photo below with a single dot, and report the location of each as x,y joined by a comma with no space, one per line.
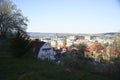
20,44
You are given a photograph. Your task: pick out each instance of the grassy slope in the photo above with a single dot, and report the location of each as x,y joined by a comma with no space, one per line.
33,69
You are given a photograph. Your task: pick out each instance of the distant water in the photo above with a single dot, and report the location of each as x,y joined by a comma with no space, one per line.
39,35
47,35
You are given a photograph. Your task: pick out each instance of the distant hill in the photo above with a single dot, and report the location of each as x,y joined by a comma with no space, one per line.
110,33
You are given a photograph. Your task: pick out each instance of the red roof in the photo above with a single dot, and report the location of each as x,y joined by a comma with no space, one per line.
37,45
66,47
82,38
95,47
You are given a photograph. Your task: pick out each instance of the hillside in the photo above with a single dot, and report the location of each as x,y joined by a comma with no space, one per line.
34,69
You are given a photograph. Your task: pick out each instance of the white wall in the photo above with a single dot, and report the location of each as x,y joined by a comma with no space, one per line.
46,52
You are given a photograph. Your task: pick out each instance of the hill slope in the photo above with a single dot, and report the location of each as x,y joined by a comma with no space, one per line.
33,69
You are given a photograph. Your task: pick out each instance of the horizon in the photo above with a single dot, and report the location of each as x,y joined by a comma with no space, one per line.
70,33
71,16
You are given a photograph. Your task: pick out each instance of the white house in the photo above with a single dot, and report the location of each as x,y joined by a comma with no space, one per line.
69,42
60,43
53,43
44,50
63,51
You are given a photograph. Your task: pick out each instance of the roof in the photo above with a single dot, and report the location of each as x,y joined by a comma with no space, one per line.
37,44
66,47
79,39
95,47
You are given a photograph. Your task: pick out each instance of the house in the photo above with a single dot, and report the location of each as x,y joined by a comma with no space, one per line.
63,49
43,50
95,51
53,43
69,42
59,42
81,38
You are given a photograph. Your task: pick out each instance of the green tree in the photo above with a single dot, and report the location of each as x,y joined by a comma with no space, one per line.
116,68
13,26
65,42
11,19
80,48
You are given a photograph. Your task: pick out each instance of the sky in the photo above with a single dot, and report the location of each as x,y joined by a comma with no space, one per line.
71,16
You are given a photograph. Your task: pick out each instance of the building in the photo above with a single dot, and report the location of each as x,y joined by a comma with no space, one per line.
43,50
95,51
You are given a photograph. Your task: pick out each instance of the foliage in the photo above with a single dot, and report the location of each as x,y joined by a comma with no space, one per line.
11,19
65,42
116,42
20,44
34,69
80,49
74,51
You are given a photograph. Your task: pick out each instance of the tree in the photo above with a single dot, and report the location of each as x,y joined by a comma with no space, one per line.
13,27
116,42
64,42
80,47
11,19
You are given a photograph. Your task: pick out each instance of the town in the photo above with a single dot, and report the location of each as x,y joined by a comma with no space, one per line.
98,46
59,40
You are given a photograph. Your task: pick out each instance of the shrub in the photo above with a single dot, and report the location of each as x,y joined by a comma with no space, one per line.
20,44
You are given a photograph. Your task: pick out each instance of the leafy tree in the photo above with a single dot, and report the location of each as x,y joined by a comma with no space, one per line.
80,49
65,42
11,19
116,42
116,68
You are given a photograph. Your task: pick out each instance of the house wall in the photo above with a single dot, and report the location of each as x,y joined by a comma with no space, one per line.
46,52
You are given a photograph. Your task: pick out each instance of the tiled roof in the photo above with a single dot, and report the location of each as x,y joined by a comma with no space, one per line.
95,47
66,47
37,45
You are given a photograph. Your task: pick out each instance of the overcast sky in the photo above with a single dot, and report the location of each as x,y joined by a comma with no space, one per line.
71,16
